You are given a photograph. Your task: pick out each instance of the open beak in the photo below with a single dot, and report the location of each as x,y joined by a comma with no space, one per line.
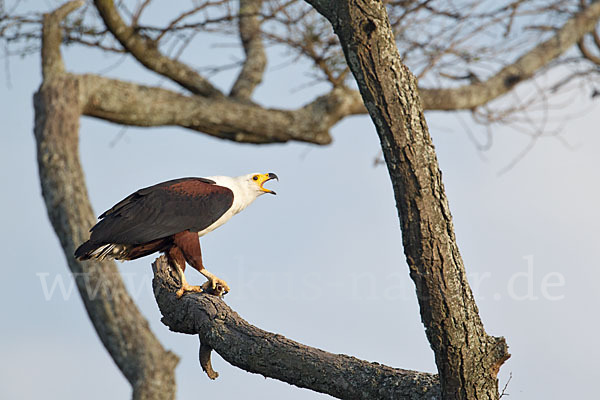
265,178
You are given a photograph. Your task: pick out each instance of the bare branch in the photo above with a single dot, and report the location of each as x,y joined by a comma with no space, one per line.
504,393
137,105
474,95
275,356
138,13
176,23
256,60
587,53
147,53
93,43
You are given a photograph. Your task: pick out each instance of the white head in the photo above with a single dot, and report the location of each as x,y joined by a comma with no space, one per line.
253,183
246,188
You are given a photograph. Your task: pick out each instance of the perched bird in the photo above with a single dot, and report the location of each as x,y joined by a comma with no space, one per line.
170,217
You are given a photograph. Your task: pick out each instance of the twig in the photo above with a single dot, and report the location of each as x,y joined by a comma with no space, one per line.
505,386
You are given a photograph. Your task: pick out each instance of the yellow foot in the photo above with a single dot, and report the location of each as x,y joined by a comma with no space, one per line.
216,286
187,288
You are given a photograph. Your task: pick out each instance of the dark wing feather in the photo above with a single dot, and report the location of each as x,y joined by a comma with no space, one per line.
163,210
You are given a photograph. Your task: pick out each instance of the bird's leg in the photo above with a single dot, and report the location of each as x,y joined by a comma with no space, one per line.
177,258
185,286
189,243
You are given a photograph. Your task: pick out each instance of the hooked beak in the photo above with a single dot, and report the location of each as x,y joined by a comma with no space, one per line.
265,178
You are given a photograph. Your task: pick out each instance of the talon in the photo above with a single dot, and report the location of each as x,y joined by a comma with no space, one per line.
185,287
216,286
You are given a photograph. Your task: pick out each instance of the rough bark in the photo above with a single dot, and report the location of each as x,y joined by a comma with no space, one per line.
121,328
275,356
467,358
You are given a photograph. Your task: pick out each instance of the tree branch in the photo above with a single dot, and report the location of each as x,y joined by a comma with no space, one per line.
131,104
147,53
122,329
136,107
52,63
256,60
275,356
587,53
477,94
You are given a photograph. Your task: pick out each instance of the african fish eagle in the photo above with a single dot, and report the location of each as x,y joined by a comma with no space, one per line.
170,217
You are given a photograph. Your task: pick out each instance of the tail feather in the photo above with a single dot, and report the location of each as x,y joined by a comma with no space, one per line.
90,250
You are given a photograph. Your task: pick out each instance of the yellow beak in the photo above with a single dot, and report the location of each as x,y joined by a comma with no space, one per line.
262,178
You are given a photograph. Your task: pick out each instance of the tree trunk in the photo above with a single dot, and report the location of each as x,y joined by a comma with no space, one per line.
122,329
468,359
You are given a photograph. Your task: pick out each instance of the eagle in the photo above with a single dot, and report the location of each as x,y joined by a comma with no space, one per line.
170,217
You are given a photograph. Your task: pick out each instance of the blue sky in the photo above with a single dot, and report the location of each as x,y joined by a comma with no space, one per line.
322,262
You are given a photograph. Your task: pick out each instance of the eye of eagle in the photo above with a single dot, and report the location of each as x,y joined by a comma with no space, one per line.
255,177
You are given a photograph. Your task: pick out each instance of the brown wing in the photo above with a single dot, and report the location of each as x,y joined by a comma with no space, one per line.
162,210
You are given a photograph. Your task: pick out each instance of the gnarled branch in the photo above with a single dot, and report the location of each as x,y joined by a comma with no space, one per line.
275,356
